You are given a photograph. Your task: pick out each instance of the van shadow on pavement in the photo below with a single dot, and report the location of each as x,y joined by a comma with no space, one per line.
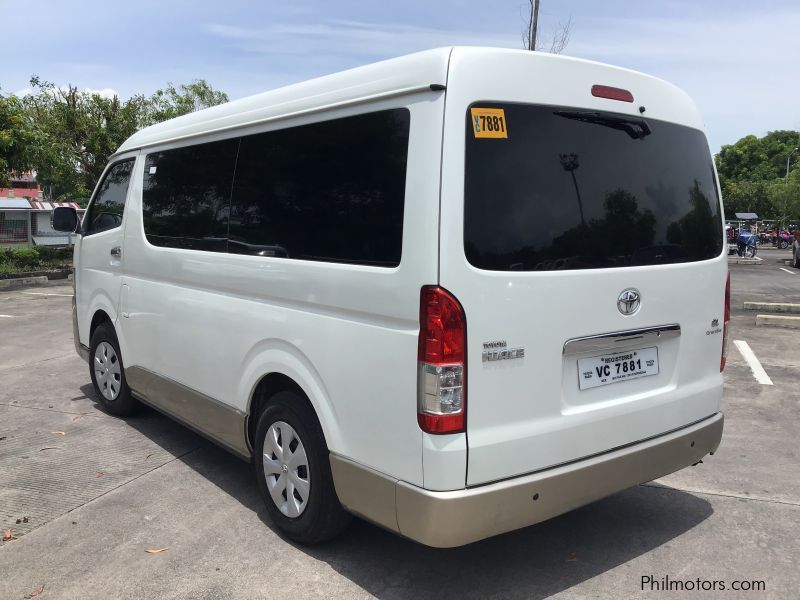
535,562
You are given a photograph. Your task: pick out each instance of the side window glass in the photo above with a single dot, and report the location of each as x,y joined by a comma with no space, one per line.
186,196
109,202
330,191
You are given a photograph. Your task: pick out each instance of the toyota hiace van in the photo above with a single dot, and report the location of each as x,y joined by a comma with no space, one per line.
455,293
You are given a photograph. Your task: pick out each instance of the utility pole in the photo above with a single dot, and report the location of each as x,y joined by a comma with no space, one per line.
534,24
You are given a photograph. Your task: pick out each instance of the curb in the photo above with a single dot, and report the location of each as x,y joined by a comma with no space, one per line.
777,321
50,274
37,281
773,307
15,284
744,261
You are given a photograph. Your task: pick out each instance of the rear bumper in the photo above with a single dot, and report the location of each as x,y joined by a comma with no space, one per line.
455,518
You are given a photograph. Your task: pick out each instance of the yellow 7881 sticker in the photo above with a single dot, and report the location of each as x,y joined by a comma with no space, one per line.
489,122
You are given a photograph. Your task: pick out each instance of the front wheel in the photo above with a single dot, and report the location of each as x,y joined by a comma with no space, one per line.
749,251
293,472
783,244
108,372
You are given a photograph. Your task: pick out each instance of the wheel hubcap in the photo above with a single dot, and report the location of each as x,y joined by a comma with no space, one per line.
286,469
107,371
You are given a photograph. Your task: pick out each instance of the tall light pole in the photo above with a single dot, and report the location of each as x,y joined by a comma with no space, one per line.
569,162
533,25
789,158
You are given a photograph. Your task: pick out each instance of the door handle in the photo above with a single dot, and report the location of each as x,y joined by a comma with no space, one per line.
116,251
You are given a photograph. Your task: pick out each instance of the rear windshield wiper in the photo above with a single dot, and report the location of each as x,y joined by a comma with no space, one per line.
635,128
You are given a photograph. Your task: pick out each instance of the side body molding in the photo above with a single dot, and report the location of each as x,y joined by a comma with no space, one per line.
221,423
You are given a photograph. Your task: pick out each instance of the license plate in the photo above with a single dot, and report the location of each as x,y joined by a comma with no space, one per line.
620,366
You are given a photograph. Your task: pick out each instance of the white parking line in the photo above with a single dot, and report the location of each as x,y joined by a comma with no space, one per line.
43,294
787,270
755,366
6,316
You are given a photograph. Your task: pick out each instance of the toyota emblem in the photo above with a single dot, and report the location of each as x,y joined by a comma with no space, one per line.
629,301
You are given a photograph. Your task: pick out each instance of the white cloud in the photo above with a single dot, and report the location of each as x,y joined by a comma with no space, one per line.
351,38
103,93
737,66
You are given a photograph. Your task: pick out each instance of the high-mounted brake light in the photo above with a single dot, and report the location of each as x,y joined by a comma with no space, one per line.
612,93
725,323
441,395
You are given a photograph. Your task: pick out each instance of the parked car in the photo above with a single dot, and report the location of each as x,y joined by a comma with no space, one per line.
796,249
453,319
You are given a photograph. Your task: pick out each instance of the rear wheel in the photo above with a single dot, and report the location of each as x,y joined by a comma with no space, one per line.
293,471
108,372
749,251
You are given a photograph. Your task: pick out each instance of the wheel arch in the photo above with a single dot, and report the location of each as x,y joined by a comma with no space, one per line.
100,316
274,366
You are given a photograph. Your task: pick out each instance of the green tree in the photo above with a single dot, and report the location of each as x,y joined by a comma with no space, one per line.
785,198
77,132
17,138
747,196
757,159
752,171
67,136
172,102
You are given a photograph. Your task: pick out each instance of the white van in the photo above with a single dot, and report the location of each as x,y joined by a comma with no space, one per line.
455,293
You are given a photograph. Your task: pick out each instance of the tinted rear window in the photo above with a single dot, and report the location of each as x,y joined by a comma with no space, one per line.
580,189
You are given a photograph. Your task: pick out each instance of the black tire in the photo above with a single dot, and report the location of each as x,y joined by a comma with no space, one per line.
322,517
123,404
797,258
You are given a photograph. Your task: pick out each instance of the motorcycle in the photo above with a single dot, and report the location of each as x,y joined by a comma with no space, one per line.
746,243
783,240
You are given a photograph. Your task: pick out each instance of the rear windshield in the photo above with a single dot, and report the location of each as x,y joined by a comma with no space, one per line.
550,188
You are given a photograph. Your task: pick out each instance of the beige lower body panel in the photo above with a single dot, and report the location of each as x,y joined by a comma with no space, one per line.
455,518
219,422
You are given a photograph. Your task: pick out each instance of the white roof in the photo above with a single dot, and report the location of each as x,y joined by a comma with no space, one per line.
407,74
417,73
14,203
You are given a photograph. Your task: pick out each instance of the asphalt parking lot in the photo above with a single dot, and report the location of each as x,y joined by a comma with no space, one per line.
92,493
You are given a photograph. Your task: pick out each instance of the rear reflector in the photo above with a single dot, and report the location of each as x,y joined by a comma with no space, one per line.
612,93
441,395
725,323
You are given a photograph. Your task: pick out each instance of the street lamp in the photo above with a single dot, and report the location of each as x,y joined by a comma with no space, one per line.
569,162
788,159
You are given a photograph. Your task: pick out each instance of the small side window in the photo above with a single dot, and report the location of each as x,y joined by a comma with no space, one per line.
185,202
108,205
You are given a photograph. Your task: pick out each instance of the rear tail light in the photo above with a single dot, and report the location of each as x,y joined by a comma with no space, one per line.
442,394
725,323
612,93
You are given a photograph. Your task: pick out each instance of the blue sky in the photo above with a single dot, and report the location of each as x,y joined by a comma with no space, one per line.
740,60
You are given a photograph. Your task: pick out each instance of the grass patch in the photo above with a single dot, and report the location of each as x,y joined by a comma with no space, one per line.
36,258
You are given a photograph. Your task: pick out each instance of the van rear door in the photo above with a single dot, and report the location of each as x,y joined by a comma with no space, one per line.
584,242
